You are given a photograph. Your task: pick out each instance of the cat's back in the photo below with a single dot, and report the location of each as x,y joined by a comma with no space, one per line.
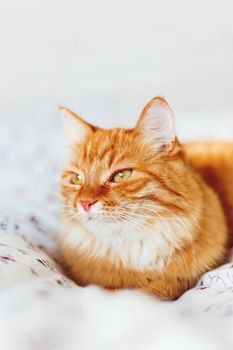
214,161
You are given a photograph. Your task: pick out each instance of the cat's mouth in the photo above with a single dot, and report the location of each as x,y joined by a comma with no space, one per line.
92,218
93,221
87,218
97,218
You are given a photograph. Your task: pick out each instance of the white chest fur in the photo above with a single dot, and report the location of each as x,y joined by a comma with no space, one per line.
147,249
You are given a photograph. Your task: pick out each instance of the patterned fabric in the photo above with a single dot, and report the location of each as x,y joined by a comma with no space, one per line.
21,262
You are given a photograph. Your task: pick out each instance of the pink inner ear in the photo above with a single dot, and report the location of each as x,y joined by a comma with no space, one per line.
157,123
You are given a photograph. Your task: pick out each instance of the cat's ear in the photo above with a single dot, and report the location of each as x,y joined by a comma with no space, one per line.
157,124
76,128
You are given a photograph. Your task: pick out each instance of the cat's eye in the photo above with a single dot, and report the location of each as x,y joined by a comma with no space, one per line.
76,179
121,176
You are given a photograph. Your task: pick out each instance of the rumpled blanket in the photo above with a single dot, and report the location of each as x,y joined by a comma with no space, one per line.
41,308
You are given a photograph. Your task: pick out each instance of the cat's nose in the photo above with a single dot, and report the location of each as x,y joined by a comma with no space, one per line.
87,205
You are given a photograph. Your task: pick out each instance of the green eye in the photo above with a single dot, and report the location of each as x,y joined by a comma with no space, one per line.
76,179
122,176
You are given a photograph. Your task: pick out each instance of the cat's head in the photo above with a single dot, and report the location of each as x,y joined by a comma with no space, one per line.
124,176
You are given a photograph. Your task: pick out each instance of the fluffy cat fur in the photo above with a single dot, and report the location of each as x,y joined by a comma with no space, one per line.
160,229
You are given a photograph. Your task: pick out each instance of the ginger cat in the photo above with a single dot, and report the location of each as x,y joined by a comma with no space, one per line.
140,209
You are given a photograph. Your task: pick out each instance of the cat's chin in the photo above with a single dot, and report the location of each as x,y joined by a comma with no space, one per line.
92,219
102,223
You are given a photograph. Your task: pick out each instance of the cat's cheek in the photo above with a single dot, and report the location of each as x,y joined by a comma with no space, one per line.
111,202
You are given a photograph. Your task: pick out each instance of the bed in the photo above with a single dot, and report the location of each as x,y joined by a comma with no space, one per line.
40,307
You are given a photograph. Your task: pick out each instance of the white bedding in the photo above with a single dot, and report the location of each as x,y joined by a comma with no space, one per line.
42,309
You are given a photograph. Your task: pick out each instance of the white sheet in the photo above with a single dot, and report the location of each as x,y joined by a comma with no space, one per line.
43,309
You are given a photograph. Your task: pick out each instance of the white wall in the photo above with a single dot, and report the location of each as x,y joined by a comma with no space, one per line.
116,53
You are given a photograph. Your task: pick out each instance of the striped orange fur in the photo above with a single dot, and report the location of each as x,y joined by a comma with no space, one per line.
160,228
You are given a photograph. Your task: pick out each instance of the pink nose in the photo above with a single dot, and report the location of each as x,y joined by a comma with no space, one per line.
87,205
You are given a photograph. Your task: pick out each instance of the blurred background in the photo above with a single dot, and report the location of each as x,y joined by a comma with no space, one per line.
106,59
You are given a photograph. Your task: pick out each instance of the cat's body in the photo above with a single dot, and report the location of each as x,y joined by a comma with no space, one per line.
160,227
214,161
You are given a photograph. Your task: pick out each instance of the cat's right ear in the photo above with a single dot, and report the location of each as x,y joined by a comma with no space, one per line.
76,128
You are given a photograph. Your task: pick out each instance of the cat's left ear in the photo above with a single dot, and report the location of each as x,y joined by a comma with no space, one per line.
157,124
77,129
